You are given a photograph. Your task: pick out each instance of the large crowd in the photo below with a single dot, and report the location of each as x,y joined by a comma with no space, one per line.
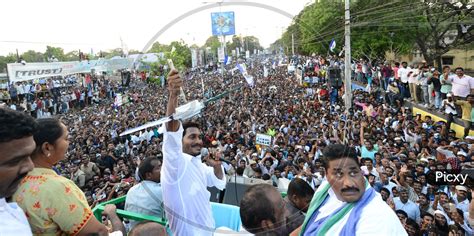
398,150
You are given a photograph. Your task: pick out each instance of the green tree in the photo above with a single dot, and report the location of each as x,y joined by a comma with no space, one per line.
4,60
180,54
378,26
158,47
236,42
442,26
213,43
251,43
33,56
57,52
318,23
133,51
72,56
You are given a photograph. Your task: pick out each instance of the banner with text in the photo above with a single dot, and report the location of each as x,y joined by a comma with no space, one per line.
264,139
22,72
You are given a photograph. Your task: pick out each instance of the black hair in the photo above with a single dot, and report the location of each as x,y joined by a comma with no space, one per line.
256,206
299,188
415,225
456,228
443,193
401,212
338,151
385,190
15,125
427,214
420,165
240,170
189,124
266,177
424,195
459,68
301,160
49,131
146,167
442,228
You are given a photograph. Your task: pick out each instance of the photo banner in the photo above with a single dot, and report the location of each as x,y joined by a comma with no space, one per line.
18,72
223,23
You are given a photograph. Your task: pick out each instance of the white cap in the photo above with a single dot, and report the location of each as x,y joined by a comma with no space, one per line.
461,153
461,188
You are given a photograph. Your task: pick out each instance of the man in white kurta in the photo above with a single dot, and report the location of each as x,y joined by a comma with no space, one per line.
345,204
184,177
373,214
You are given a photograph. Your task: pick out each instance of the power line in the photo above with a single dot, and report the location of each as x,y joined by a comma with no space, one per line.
390,19
378,23
319,36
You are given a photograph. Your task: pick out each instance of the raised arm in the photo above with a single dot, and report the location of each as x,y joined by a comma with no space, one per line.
174,88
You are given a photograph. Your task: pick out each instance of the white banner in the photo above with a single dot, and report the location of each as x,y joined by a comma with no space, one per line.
194,57
221,54
264,139
30,71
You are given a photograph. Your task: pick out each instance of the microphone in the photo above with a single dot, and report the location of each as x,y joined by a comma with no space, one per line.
224,160
205,153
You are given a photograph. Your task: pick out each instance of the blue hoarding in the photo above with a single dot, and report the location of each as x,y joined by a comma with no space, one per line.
223,23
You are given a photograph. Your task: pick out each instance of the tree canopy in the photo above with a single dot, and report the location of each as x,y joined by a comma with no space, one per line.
379,26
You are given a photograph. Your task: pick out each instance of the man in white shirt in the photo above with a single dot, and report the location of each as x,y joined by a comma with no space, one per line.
386,183
449,109
16,145
413,84
345,204
184,176
403,75
460,199
405,204
146,197
463,85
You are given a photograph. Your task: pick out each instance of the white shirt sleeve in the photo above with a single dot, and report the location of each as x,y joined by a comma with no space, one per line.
173,158
212,180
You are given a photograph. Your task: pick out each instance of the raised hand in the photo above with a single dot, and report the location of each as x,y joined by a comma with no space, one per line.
175,82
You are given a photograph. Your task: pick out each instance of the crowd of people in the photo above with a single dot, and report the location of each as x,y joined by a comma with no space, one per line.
397,151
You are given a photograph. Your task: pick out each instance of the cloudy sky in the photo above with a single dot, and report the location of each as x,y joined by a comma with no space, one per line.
100,24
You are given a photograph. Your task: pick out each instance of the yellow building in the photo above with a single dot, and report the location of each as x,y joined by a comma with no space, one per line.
454,58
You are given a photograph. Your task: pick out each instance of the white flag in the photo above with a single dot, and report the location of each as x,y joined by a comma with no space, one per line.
247,77
332,45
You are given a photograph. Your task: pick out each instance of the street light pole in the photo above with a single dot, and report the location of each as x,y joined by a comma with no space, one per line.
347,61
